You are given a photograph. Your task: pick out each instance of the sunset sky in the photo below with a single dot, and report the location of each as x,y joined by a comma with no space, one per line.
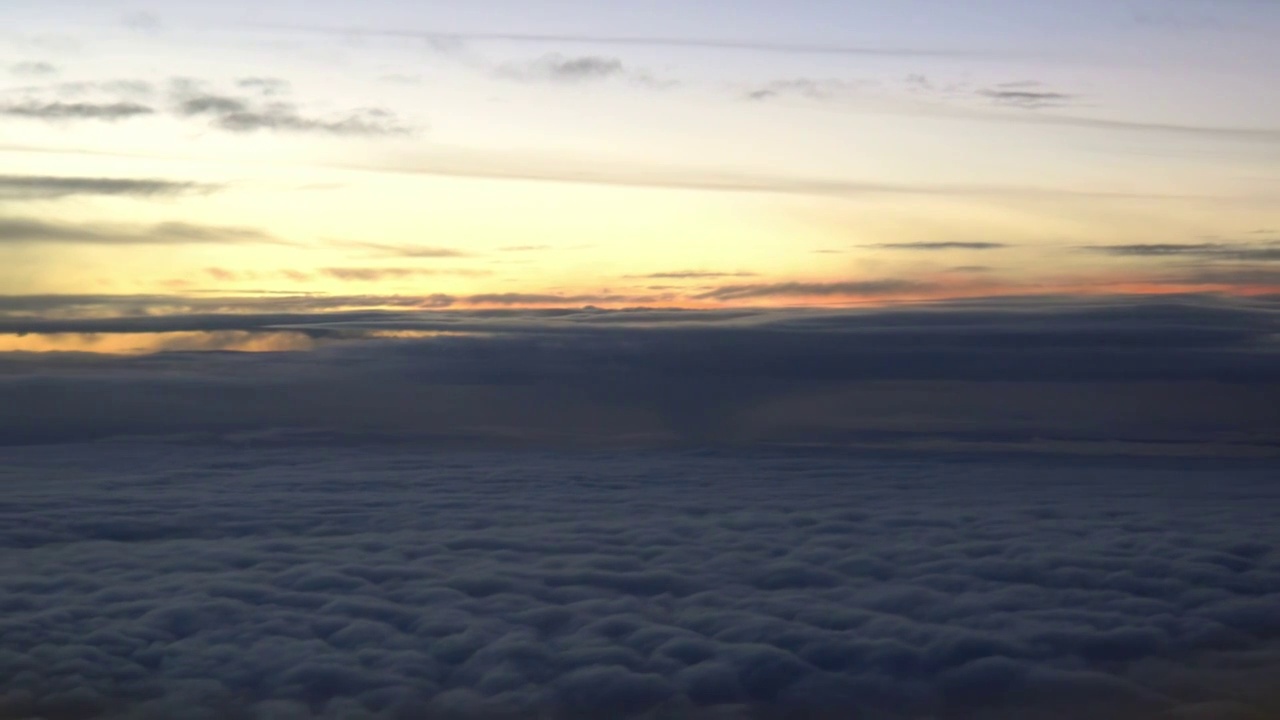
674,359
573,153
683,220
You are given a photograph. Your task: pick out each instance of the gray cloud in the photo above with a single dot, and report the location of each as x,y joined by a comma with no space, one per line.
267,86
81,89
295,575
565,69
49,187
927,246
143,21
561,68
1193,374
1025,95
171,313
1214,250
809,88
241,115
75,110
33,69
871,288
28,230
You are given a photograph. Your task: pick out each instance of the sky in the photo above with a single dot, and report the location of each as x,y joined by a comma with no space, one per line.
714,221
570,153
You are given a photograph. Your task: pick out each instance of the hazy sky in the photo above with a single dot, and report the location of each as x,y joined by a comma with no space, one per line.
576,152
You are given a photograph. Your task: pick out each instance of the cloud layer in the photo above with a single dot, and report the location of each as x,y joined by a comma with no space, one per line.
276,578
1176,374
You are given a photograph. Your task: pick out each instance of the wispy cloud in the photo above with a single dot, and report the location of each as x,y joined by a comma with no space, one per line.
930,246
869,288
1220,251
1027,94
576,70
112,111
359,274
33,69
241,115
403,251
808,88
693,275
143,21
550,299
560,68
48,187
268,86
509,167
452,38
27,231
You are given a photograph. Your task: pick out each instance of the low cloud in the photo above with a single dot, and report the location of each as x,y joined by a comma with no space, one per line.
306,575
50,187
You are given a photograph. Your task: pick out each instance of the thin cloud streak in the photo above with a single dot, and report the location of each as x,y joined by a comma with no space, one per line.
1216,251
49,187
867,288
238,115
76,111
641,41
401,251
495,167
15,231
927,246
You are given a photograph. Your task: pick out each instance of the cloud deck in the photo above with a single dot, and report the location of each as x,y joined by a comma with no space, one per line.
143,580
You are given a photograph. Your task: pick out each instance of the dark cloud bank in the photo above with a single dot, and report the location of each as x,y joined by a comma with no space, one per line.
1176,374
261,579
